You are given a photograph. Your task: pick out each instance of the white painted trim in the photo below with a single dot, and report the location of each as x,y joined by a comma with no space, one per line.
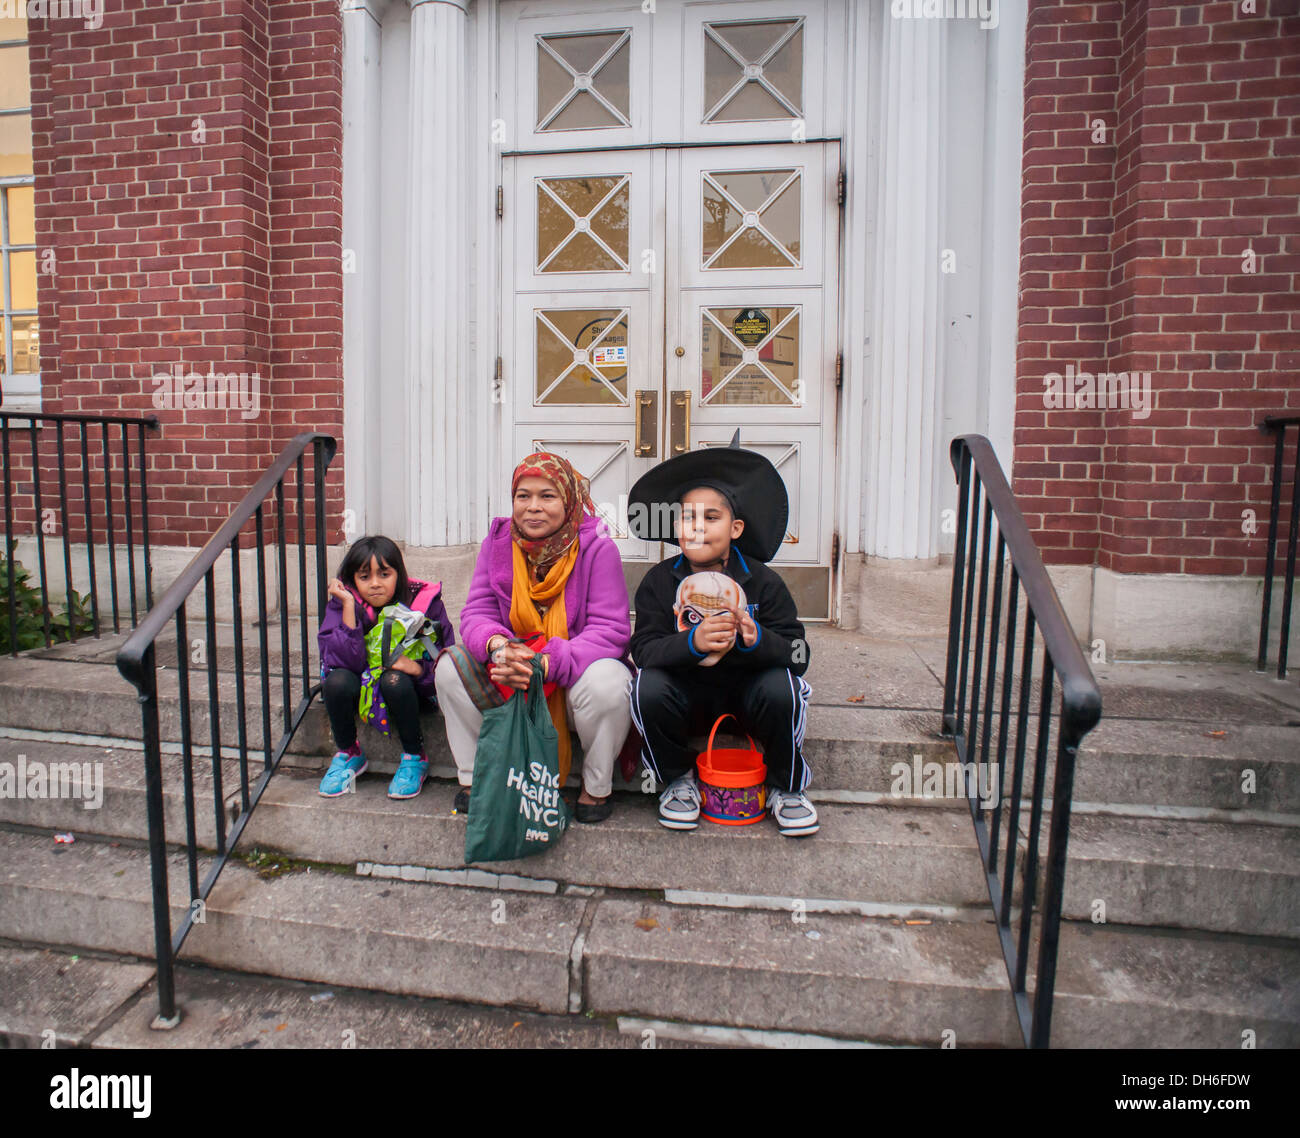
362,154
485,299
1004,101
440,403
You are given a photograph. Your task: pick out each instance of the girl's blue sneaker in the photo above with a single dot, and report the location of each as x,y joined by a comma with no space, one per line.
410,776
345,769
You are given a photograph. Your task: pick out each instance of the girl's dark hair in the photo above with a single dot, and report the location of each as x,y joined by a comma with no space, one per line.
376,545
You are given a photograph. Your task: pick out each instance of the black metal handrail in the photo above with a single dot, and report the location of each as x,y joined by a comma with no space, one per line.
106,423
1277,425
985,499
137,662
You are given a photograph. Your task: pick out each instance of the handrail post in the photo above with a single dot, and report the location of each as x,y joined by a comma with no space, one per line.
168,1016
961,458
1054,885
1275,508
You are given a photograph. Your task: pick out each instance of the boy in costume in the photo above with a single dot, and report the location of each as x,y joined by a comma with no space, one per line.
727,508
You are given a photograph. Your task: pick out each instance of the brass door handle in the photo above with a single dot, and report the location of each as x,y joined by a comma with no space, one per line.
679,424
647,426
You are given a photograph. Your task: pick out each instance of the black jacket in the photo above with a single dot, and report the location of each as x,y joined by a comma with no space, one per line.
656,643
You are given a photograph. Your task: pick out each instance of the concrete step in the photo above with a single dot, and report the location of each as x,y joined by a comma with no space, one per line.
1191,875
849,748
891,857
1114,988
94,699
419,940
833,974
1235,767
891,854
97,1000
895,856
865,750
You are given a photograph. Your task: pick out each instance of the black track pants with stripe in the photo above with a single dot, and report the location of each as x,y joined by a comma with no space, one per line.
669,706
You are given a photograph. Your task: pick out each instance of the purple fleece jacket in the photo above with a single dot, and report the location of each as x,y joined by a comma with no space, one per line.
344,647
595,602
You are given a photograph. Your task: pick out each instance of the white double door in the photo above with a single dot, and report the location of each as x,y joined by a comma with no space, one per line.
655,300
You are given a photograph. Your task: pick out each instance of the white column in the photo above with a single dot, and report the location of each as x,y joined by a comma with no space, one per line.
440,414
904,355
362,21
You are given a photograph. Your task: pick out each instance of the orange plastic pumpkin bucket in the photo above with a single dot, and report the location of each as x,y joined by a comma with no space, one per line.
733,782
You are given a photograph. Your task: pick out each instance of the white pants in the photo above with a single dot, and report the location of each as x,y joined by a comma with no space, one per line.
598,709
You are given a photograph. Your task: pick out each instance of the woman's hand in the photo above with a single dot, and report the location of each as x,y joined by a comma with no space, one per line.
716,633
513,668
341,592
407,665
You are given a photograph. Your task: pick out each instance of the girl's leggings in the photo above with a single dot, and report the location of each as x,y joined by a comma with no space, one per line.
341,691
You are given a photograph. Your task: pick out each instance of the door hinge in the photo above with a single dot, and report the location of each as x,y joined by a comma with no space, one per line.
501,201
839,370
497,385
835,549
842,187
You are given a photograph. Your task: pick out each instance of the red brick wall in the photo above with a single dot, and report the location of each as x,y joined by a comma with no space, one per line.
188,161
1132,260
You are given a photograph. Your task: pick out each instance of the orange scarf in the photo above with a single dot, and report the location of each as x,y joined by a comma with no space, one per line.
526,594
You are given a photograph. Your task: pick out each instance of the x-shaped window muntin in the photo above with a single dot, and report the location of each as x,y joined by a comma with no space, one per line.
758,217
756,348
576,219
758,77
619,320
575,76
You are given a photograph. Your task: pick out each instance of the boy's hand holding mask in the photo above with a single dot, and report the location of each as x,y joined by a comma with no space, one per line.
707,605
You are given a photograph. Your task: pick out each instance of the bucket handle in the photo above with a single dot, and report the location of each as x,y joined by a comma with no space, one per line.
708,751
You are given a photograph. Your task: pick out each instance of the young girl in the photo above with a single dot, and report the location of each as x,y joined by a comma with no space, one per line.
373,575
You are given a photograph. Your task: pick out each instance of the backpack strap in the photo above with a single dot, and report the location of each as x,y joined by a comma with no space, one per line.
386,654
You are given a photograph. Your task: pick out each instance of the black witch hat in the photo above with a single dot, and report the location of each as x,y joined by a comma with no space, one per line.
747,479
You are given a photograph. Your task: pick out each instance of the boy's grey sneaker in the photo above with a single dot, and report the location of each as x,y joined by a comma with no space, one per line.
794,813
679,805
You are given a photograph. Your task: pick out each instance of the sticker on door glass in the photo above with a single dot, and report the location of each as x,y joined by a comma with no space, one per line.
751,325
605,356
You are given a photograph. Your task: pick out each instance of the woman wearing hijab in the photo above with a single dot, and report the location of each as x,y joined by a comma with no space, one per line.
546,570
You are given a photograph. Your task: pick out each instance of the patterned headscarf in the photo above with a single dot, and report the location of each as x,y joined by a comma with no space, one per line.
575,493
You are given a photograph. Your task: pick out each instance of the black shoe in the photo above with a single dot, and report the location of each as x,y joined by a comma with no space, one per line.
593,811
461,805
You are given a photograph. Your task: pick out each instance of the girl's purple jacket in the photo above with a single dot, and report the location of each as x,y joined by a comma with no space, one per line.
595,602
344,647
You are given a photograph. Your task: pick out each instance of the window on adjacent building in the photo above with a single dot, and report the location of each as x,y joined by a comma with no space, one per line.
20,340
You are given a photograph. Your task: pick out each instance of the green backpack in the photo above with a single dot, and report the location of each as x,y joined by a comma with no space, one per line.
397,631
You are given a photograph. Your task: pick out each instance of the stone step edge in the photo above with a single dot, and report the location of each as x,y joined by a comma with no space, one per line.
447,772
686,1031
576,965
468,877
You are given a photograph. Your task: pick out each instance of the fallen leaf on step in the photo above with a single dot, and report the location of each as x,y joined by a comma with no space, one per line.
281,1026
856,698
1216,734
646,923
916,922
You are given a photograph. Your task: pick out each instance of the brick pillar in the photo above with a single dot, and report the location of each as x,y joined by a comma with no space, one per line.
1137,246
188,177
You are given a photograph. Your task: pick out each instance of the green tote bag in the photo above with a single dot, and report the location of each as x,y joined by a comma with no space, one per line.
517,810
